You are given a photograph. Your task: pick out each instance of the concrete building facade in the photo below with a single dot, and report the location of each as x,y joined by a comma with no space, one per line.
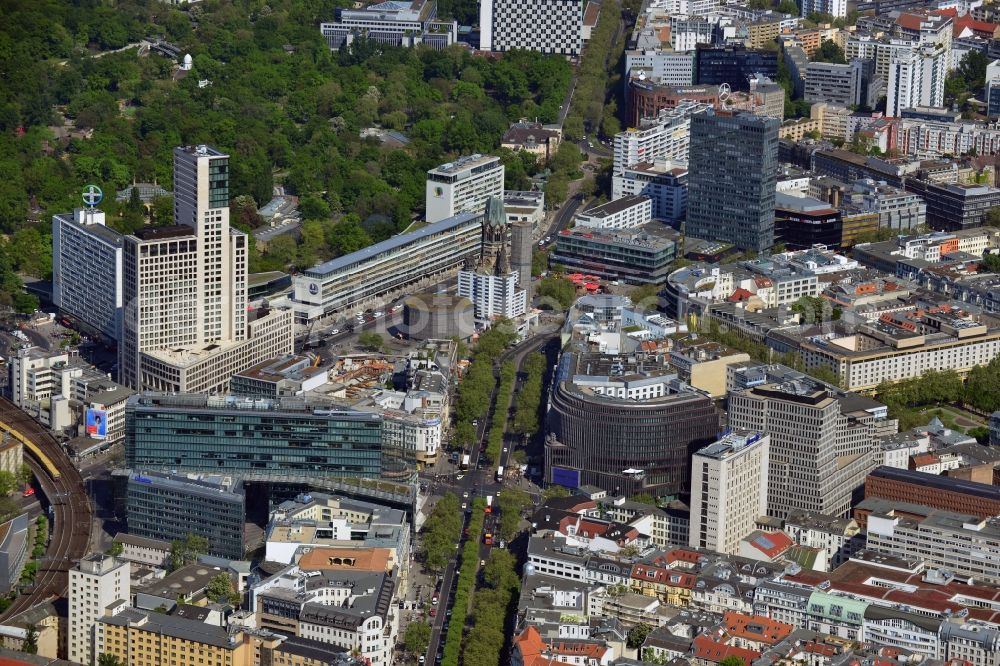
95,583
728,490
87,270
820,442
463,186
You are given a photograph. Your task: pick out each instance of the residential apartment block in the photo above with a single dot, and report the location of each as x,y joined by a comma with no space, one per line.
897,346
96,583
87,270
626,213
665,137
664,182
965,544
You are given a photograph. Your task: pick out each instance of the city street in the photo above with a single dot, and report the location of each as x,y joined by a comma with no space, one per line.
478,483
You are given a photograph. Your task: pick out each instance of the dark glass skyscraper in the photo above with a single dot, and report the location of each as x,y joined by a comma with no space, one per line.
733,64
732,174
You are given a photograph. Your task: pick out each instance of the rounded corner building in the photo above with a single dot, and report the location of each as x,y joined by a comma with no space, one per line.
626,424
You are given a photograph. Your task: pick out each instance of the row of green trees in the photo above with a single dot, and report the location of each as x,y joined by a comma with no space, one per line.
510,503
981,390
757,350
473,395
529,398
588,112
440,532
498,424
465,588
30,569
491,607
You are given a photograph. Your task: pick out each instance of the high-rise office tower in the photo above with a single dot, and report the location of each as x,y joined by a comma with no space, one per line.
94,584
732,175
463,185
821,442
201,201
728,490
185,323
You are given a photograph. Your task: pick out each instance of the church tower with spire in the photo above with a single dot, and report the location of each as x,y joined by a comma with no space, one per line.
492,285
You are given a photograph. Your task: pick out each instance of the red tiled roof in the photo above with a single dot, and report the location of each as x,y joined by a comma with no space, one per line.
922,459
530,644
909,21
710,650
668,577
740,294
974,25
683,555
756,627
819,648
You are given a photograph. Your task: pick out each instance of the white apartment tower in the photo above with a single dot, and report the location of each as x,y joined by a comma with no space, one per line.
916,79
87,269
728,490
463,185
493,295
667,137
835,8
97,582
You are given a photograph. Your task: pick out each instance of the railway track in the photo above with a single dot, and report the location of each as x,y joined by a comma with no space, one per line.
71,514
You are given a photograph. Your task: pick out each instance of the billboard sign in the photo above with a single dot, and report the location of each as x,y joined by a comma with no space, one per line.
569,478
97,423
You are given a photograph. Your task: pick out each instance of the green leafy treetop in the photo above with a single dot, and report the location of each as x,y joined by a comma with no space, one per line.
184,552
221,590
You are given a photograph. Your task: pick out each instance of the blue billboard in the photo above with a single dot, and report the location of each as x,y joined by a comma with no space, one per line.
566,477
97,423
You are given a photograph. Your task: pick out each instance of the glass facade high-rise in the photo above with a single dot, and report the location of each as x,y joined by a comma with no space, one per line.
732,175
248,438
171,506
